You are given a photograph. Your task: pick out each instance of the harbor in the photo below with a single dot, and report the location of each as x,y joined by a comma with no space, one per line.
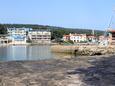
29,52
57,43
41,62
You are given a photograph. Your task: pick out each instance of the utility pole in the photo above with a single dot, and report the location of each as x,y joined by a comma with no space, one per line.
93,32
111,22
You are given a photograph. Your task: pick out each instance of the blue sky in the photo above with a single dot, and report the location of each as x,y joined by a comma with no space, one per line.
93,14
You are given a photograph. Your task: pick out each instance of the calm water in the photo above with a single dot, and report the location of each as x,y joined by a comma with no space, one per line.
35,52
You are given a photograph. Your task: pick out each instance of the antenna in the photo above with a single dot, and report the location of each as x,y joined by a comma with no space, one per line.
109,26
111,19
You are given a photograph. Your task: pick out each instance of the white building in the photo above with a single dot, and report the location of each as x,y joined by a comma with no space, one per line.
92,39
18,35
75,37
40,37
78,37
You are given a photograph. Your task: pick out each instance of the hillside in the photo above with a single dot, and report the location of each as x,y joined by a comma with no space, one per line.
57,32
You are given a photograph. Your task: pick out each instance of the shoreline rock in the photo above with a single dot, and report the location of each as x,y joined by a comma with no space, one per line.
84,50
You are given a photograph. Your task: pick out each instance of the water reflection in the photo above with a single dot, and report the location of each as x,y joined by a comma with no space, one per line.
10,53
38,52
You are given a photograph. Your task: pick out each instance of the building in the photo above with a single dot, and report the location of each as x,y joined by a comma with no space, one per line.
24,35
66,37
39,37
78,37
18,35
92,39
111,37
75,37
103,40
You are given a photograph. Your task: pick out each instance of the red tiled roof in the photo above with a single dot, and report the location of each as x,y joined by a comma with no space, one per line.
111,30
91,36
66,35
78,34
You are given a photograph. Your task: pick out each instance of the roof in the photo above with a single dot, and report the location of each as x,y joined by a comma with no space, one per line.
91,36
111,30
67,35
78,34
23,28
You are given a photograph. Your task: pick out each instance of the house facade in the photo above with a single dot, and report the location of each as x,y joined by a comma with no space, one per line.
111,39
39,37
92,39
75,37
18,35
66,37
78,37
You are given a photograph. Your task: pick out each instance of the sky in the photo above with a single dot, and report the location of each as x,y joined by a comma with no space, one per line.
89,14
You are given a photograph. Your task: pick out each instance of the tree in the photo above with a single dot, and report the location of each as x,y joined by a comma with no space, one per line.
58,33
3,30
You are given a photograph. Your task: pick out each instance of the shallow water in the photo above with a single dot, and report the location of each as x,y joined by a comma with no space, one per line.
35,52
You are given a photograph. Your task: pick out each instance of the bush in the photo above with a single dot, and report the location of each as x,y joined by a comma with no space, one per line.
71,42
83,41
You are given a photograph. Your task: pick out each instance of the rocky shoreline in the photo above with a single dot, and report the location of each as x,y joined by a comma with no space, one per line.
84,50
77,71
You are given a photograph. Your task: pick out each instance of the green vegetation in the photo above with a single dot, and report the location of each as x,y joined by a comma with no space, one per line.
57,32
3,29
69,42
83,41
